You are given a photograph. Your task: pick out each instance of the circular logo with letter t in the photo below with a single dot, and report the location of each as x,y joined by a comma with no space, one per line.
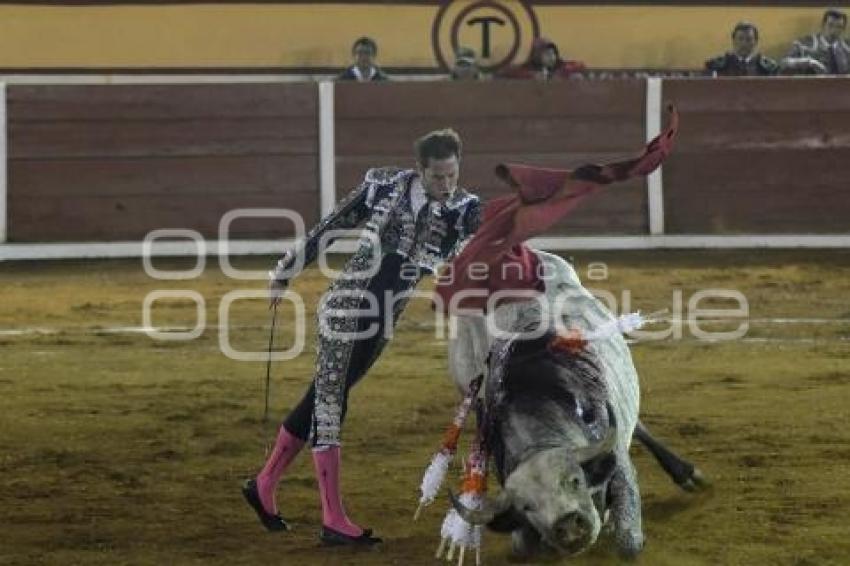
500,32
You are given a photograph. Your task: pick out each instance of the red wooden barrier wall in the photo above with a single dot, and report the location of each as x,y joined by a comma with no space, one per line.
111,163
114,162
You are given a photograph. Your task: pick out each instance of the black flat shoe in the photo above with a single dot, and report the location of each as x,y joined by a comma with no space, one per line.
330,537
269,521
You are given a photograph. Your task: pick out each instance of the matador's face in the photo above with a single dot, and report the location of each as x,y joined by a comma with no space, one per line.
440,176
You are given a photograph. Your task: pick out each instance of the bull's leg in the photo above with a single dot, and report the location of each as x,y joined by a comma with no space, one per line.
468,350
526,542
686,475
625,509
600,501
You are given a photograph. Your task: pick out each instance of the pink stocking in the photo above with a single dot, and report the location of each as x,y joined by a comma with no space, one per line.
326,461
286,447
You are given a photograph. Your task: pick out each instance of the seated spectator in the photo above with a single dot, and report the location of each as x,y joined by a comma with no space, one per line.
466,65
364,69
824,52
743,60
544,63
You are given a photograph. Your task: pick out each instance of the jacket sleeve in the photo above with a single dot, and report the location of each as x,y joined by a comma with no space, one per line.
349,213
801,59
716,65
768,66
798,49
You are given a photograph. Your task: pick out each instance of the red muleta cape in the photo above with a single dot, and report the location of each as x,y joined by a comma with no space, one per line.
542,198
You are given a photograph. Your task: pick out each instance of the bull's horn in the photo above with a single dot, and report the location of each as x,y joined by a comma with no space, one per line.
606,444
488,511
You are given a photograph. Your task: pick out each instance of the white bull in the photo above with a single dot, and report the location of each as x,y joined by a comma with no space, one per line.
549,499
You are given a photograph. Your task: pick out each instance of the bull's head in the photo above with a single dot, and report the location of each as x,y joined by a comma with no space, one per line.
551,491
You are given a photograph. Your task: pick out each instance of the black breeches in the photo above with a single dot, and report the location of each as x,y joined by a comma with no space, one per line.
364,351
363,355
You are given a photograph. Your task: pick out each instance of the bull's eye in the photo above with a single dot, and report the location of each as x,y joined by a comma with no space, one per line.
571,482
589,415
528,508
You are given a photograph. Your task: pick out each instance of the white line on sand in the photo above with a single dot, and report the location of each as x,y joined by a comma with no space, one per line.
101,330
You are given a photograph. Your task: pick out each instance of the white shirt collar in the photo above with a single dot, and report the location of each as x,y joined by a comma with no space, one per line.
360,78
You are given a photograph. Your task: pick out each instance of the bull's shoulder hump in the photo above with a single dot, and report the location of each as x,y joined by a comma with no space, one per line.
557,268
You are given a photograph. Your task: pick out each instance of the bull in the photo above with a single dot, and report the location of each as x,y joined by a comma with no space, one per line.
559,421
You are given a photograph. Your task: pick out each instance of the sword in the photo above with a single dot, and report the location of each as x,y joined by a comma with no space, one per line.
269,365
269,379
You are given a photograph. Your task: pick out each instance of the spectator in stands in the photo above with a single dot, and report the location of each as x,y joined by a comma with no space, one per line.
825,52
364,51
544,63
466,65
743,59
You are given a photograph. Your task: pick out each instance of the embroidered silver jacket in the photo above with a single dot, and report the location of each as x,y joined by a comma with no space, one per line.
403,229
385,203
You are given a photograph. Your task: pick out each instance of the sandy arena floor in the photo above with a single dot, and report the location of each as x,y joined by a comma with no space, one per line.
119,449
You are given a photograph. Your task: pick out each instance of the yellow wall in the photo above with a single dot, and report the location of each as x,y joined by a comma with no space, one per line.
298,35
205,35
667,36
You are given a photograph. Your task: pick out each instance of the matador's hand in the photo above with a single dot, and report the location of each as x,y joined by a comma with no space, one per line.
279,280
277,288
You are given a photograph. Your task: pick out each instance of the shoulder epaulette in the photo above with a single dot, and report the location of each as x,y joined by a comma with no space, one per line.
767,64
386,175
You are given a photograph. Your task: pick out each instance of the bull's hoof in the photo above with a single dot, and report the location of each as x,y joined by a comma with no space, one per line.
695,482
525,543
630,545
629,554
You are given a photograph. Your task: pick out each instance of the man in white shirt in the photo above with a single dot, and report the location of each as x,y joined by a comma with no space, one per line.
364,51
744,59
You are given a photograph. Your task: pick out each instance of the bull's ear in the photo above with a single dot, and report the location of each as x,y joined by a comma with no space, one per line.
506,521
600,469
